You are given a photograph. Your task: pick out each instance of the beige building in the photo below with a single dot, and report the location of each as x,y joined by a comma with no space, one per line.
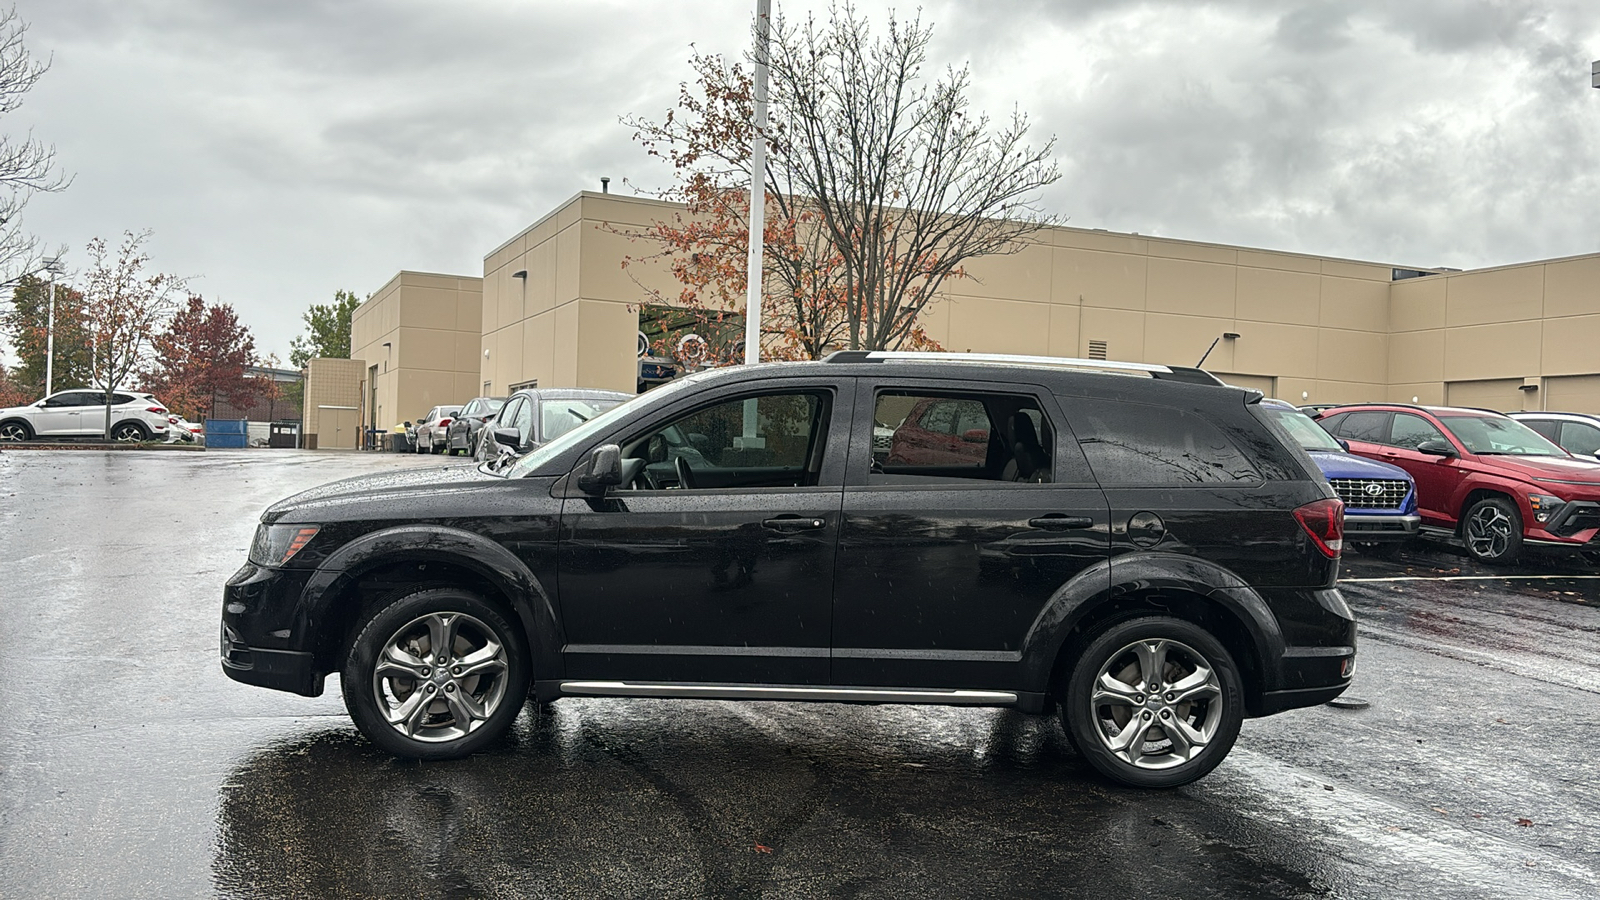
332,416
559,309
418,339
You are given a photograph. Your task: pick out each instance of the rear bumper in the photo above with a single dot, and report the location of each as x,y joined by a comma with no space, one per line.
1380,527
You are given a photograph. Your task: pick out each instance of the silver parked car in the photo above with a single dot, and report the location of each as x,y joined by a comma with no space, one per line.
433,430
533,416
1576,433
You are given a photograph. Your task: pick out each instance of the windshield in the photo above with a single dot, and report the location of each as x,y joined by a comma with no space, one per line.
1308,434
494,403
550,450
559,415
1499,436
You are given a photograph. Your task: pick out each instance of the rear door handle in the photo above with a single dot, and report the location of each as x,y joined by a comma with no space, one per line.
793,523
1059,522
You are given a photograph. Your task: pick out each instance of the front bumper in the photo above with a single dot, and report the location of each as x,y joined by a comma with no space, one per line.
262,640
1380,526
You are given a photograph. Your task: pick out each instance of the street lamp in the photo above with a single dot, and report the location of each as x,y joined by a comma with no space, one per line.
54,267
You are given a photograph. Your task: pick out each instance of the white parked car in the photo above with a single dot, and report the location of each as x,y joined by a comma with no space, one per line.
433,432
80,413
181,430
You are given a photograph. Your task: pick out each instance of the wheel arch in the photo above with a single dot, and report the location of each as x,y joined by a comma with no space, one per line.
1156,584
1476,492
379,567
19,420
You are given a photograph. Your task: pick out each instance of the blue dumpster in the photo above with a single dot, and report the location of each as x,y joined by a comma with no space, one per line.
227,433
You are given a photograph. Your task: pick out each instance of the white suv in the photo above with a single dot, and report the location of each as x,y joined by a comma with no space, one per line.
80,413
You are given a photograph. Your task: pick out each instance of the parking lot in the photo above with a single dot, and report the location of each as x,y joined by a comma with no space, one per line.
130,766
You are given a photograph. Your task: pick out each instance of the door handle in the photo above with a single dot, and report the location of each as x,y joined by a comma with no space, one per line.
792,523
1059,522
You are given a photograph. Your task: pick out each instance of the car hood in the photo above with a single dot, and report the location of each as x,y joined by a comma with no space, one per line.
1337,464
1545,468
417,493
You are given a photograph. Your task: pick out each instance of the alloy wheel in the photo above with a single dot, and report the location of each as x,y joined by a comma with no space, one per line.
1156,704
1489,531
128,434
440,677
13,431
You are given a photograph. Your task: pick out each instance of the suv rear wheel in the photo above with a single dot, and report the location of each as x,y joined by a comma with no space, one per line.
437,674
130,432
1492,531
1154,702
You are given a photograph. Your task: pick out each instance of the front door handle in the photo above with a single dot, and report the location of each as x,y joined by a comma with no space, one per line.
793,523
1059,522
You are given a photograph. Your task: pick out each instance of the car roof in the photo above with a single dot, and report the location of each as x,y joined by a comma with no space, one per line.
571,394
1556,416
1413,407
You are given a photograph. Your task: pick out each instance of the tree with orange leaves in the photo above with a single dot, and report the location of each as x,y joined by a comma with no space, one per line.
882,187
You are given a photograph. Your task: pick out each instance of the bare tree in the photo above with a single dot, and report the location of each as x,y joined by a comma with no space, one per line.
27,167
907,181
124,309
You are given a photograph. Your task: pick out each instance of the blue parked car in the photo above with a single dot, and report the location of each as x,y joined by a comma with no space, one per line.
1380,500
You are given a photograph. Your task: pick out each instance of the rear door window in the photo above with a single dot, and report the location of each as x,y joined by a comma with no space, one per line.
1545,427
1368,427
1579,438
1136,444
921,437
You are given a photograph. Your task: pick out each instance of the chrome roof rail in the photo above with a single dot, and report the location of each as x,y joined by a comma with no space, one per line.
1061,362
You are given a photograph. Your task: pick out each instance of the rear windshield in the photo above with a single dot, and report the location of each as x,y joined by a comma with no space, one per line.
1499,436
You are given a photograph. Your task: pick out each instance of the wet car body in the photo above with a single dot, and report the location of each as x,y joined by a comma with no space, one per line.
465,429
1497,501
829,581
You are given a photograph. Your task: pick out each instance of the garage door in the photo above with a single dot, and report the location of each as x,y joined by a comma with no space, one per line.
1266,384
1501,394
1573,393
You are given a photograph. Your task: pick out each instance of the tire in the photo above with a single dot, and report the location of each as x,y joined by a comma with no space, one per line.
400,637
1492,531
416,445
1099,718
15,431
130,433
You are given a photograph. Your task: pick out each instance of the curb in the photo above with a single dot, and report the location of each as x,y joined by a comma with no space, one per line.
102,445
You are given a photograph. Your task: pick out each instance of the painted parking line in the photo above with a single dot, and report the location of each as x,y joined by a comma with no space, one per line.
1471,578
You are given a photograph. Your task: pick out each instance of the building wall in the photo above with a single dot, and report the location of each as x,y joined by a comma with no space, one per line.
1311,329
333,391
431,323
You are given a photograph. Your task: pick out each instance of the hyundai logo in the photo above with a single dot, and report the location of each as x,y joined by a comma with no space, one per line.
1373,489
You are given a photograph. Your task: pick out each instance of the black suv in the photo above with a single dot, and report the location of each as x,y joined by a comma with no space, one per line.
1152,555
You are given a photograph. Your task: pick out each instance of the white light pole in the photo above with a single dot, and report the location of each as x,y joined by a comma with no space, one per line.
758,188
53,266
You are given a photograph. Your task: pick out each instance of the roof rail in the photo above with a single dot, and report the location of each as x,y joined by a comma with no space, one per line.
861,356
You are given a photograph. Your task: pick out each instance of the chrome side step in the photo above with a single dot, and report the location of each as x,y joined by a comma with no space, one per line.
787,692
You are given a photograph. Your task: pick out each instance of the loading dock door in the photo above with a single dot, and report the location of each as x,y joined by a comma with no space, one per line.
1573,393
1501,394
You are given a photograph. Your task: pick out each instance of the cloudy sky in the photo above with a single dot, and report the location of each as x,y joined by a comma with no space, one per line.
283,150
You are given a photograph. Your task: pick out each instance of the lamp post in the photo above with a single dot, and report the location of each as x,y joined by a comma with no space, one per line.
758,188
54,267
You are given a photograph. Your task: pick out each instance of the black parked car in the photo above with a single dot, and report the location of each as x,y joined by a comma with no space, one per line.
536,415
467,427
1148,555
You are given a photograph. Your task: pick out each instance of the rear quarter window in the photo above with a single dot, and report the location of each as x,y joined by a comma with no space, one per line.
1136,443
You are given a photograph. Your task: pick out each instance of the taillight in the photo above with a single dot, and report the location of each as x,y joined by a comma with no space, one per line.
443,423
158,410
1324,521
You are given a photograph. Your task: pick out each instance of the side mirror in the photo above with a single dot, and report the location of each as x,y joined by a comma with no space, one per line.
605,469
976,436
1436,447
509,438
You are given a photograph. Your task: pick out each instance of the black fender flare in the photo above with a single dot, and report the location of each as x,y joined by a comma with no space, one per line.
1137,572
533,605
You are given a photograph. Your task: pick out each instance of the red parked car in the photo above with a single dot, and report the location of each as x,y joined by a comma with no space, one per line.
1490,479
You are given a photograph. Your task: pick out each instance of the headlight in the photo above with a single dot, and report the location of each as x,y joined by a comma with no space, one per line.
1545,507
277,544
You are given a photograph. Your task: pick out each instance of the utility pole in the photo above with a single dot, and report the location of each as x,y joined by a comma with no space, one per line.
53,266
758,187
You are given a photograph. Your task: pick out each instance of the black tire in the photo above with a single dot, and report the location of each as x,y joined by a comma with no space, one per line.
15,431
1212,714
434,729
1492,531
130,433
416,444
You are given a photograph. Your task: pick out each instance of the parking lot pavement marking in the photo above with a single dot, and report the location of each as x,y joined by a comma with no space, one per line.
1471,578
1457,857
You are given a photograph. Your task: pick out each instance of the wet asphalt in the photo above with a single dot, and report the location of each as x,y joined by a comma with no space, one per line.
131,767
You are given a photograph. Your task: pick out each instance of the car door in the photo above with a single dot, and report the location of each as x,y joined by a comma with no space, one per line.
1437,476
945,563
64,414
716,564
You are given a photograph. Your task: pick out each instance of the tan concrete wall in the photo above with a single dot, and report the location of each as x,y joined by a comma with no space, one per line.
1316,329
433,324
332,387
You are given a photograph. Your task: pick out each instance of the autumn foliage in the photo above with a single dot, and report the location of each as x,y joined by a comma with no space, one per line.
201,356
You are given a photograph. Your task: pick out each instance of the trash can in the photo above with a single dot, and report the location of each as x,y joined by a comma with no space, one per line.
284,435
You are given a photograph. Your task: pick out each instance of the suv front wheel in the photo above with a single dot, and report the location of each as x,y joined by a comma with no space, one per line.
437,674
1154,702
1492,531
